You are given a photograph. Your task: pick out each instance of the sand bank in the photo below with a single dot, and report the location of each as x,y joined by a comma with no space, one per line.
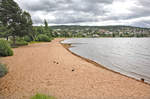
50,69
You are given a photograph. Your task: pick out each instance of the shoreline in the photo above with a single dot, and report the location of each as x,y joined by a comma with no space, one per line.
50,69
67,46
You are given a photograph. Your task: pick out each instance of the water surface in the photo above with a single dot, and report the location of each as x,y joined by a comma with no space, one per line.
129,56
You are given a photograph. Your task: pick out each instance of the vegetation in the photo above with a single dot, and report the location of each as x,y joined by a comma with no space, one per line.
3,70
5,49
15,20
27,38
43,38
41,96
21,43
16,25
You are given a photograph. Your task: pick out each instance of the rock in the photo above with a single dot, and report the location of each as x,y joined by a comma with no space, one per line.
142,79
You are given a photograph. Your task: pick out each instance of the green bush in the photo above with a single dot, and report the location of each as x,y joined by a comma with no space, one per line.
21,43
3,70
43,38
5,49
41,96
27,39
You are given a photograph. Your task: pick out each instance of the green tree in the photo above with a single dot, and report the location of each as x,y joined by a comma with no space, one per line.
47,30
4,32
15,19
46,24
33,35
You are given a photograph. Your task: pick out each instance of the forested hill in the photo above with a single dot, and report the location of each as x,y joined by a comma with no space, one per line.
102,31
93,27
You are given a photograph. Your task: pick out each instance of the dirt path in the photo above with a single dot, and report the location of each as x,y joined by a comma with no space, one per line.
47,68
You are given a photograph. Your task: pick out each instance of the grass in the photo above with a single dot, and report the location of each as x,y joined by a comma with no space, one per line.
32,42
3,70
5,49
42,96
21,43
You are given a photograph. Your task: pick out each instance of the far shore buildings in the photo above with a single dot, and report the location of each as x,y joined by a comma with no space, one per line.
97,31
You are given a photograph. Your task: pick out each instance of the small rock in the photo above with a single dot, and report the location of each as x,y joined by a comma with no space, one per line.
142,79
73,70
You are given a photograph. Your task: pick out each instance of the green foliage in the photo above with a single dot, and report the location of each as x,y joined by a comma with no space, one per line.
4,32
41,96
3,70
21,43
27,39
46,24
5,49
15,19
43,38
33,42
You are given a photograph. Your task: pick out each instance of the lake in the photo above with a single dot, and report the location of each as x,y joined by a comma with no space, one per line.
128,56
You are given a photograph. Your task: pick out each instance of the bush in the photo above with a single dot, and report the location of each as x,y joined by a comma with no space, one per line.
41,96
27,39
3,70
43,38
21,43
5,49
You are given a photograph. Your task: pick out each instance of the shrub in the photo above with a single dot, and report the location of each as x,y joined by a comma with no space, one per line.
43,38
41,96
5,49
21,43
3,70
27,39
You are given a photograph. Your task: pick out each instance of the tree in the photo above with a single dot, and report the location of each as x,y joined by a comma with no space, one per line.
46,24
15,19
4,32
47,30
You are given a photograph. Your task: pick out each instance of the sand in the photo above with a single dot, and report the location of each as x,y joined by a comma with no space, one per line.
50,69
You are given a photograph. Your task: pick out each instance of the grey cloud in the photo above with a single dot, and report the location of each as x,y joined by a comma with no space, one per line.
63,18
142,23
65,5
82,11
141,10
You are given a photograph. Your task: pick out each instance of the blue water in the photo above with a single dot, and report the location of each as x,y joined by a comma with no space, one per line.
129,56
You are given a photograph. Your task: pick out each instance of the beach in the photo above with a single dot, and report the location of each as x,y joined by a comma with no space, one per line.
51,69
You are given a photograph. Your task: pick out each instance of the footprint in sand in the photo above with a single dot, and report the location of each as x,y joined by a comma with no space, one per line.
55,62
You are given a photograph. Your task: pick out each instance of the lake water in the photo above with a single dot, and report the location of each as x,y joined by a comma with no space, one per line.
129,56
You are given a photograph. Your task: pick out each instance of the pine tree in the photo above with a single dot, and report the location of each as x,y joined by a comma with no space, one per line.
46,24
47,30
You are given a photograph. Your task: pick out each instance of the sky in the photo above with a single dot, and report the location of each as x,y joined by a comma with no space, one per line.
88,12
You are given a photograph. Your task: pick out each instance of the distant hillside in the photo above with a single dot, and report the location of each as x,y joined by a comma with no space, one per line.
98,31
93,27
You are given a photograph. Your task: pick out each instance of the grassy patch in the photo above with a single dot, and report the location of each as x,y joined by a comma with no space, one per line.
42,96
32,42
43,38
5,49
21,43
3,70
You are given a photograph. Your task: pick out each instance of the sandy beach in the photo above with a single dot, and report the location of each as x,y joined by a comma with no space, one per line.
50,69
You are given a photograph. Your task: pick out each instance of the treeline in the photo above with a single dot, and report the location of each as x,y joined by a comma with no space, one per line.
16,25
100,31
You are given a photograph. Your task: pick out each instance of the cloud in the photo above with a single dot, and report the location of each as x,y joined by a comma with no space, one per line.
88,12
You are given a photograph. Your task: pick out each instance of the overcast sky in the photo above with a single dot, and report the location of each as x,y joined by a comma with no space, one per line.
89,12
